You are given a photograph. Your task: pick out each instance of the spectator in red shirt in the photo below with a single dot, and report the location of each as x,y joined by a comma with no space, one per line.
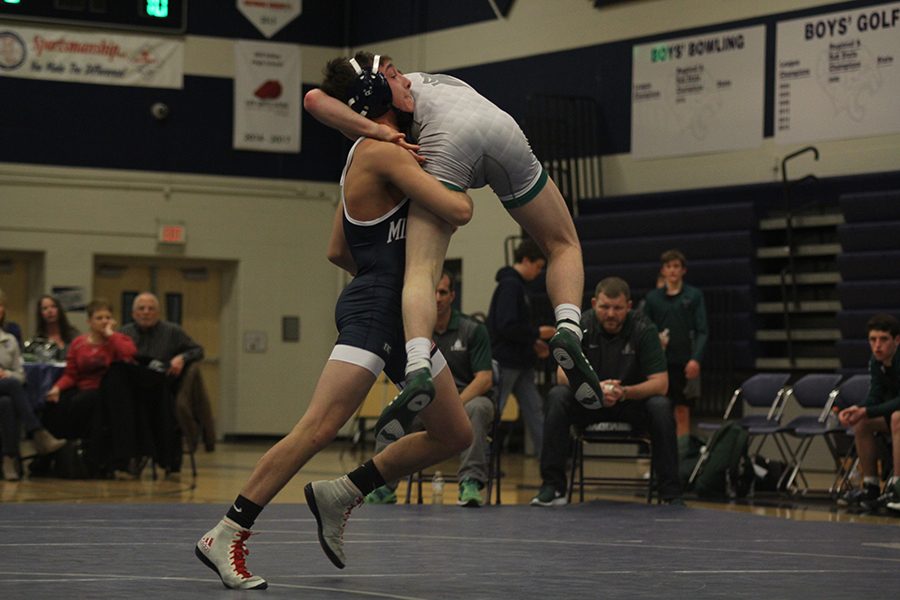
69,411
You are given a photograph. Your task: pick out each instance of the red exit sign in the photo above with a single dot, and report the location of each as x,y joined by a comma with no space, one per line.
172,234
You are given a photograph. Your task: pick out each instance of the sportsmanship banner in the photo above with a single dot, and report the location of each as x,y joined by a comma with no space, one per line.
838,75
698,94
84,57
266,96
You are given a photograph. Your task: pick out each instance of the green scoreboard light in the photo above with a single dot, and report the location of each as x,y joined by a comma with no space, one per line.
159,16
158,9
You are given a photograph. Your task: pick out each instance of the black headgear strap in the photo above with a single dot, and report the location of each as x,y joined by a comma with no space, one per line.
369,94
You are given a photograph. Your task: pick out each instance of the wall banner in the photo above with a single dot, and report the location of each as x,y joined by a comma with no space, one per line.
270,16
266,96
698,94
87,57
837,75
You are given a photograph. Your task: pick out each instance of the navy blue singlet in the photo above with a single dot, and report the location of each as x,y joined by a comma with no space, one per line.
368,312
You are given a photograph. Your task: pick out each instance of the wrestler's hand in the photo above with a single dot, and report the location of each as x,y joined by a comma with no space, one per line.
388,134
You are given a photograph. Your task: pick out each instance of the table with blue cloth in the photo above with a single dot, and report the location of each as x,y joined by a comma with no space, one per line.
39,378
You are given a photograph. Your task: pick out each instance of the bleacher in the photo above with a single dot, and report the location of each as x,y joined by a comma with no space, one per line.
869,265
719,229
718,240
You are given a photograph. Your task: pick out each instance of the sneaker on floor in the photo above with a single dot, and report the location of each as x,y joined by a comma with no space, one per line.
549,496
676,501
10,468
223,550
381,495
470,493
857,496
567,352
397,417
330,503
891,495
893,502
45,443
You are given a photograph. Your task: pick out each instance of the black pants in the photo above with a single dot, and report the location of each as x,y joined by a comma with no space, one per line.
73,417
652,415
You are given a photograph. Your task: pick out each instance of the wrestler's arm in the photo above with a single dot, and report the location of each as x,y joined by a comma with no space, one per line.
399,168
338,250
337,115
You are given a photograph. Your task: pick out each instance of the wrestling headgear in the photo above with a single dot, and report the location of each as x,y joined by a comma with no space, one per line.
369,94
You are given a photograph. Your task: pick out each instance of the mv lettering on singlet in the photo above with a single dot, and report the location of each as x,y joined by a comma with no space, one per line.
397,230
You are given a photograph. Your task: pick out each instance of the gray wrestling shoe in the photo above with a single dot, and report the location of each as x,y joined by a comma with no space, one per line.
330,503
223,550
397,417
567,352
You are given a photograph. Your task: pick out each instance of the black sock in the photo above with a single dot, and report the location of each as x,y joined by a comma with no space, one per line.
366,477
244,512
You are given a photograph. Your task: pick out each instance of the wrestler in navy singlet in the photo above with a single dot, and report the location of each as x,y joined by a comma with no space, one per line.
368,312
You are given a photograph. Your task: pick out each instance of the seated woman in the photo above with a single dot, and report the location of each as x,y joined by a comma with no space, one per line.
71,402
54,333
15,410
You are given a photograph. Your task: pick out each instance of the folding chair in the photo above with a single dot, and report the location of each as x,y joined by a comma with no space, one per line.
761,391
176,442
615,433
852,392
502,424
817,391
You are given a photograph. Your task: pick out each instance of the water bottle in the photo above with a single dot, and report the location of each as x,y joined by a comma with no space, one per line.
437,488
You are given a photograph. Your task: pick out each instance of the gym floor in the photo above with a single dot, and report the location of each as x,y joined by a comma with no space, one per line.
117,538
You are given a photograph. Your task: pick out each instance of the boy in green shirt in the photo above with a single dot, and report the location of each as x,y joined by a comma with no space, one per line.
678,311
881,412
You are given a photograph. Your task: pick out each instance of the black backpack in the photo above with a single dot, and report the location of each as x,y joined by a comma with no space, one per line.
727,471
71,462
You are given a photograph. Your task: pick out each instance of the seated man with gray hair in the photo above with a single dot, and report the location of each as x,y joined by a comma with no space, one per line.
624,349
167,352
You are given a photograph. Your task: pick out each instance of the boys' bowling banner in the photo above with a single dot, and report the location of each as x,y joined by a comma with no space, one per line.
698,94
87,57
266,96
838,75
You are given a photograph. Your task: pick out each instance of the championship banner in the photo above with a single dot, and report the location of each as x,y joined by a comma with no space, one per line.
85,57
266,96
698,94
270,16
838,75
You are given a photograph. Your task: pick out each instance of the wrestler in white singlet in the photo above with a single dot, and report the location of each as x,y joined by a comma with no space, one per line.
469,142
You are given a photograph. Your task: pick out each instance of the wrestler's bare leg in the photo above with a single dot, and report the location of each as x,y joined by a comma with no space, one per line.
427,238
340,390
547,220
447,432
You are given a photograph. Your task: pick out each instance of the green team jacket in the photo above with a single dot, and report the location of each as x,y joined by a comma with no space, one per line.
884,389
684,315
